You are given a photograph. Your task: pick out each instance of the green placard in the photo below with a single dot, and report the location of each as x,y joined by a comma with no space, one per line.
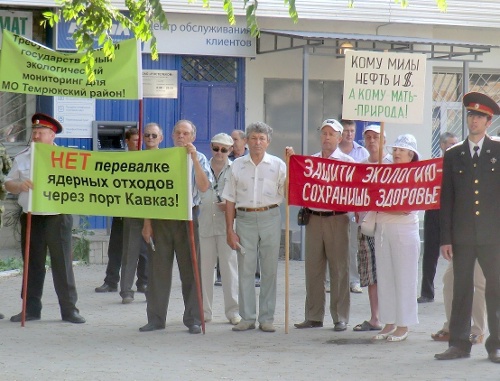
141,184
30,68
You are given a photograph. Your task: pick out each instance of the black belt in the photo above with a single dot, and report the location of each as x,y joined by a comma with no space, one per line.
261,209
325,214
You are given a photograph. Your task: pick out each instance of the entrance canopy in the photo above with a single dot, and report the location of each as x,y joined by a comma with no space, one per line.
335,44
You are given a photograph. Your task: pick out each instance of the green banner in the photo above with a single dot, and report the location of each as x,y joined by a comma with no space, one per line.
29,68
142,184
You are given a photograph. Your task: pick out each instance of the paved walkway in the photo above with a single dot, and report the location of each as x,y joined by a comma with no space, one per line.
110,347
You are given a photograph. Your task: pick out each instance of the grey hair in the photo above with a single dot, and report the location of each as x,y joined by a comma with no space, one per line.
153,125
259,128
187,122
445,136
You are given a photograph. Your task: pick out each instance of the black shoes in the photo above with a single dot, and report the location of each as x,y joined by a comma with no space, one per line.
106,288
73,317
2,316
494,356
151,327
424,299
340,326
29,317
195,329
452,353
143,288
309,324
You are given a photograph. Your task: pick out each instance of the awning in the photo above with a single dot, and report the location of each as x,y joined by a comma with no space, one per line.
333,44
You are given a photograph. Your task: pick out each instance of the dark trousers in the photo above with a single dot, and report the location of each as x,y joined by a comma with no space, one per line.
52,233
172,238
115,250
431,252
464,257
134,257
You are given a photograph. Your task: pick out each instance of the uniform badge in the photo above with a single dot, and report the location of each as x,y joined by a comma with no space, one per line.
493,161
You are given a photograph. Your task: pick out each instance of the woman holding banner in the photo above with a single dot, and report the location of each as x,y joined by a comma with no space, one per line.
397,249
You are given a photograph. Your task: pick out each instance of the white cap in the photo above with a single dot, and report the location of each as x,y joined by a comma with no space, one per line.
406,141
223,139
333,123
374,128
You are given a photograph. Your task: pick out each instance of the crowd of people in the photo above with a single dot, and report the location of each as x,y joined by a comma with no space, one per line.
236,196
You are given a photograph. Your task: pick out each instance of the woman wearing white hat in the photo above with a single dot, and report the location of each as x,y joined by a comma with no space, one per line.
397,249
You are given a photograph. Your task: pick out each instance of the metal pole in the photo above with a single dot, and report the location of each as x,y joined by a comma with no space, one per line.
305,127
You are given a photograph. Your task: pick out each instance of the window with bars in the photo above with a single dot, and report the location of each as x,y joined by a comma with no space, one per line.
209,69
447,102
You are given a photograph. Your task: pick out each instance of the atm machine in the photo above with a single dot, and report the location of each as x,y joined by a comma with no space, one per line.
109,135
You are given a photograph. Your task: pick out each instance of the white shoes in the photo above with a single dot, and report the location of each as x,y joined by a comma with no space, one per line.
396,339
383,336
235,320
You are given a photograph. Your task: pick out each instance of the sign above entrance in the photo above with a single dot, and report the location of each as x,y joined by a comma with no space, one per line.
193,34
204,35
384,87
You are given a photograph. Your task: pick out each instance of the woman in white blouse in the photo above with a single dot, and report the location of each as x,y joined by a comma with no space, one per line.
397,249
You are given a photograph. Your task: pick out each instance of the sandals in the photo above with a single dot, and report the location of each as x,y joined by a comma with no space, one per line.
441,336
383,336
366,326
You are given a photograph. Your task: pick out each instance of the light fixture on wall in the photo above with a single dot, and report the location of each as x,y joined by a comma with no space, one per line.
344,47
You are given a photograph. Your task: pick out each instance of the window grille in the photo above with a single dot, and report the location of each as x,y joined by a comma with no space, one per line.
209,69
447,103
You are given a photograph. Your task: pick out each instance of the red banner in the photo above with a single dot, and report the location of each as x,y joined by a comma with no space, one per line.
336,185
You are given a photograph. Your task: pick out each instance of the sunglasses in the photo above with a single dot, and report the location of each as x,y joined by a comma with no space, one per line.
154,136
222,149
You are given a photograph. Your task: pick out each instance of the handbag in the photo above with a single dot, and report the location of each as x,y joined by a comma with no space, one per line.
368,224
303,217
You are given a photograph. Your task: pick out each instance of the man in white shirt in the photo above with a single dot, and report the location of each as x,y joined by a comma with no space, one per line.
253,191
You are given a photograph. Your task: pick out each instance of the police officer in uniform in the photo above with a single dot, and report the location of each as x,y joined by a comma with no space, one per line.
50,231
469,225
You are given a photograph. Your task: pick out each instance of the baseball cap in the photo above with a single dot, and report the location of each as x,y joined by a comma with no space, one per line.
333,123
223,139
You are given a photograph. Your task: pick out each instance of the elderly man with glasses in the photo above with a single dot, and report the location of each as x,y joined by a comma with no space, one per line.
213,243
132,231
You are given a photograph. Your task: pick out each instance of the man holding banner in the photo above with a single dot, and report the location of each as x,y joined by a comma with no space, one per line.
327,242
169,237
50,231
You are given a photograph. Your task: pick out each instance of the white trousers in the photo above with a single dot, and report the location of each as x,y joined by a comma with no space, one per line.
397,250
212,248
478,302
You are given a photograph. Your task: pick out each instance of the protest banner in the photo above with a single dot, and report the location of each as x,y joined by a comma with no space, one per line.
336,185
384,87
140,184
30,68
